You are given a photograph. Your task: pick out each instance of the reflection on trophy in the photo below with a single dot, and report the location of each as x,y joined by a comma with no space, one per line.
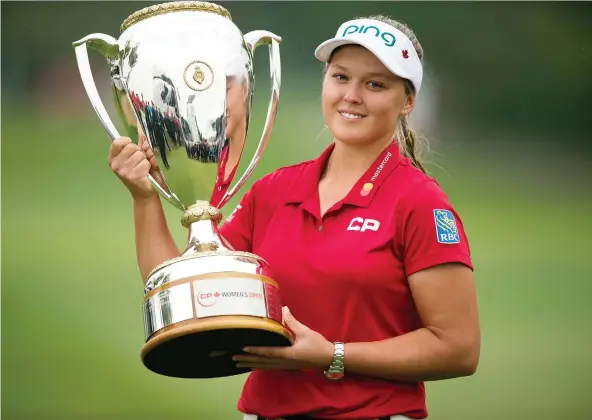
182,77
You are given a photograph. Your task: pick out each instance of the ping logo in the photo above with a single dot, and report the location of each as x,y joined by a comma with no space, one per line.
362,225
388,38
446,229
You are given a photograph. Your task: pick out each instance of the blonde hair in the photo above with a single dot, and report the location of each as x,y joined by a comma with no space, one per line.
408,140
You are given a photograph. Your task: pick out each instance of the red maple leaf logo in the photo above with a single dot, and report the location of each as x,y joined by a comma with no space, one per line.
405,54
217,294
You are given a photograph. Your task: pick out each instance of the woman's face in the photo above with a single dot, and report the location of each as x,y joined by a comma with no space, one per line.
362,100
236,103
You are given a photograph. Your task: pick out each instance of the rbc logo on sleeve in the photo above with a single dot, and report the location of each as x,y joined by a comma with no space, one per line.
446,229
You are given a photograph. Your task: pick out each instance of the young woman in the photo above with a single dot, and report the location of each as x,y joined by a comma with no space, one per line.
372,260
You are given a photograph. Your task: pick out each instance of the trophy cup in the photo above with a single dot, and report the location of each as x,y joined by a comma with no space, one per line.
182,79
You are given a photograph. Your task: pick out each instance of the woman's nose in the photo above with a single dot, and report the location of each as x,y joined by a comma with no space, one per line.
352,94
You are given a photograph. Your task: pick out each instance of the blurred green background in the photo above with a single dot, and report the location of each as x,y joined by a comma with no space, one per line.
506,110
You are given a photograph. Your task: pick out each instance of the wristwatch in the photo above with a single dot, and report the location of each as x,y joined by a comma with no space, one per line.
337,368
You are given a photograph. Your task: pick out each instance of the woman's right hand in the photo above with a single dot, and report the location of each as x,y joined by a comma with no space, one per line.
132,163
129,162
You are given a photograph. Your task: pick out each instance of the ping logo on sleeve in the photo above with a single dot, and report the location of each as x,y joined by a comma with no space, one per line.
446,229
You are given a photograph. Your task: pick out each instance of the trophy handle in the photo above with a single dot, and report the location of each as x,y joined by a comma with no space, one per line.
108,47
255,39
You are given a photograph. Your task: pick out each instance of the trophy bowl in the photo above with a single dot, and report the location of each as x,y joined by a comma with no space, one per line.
182,81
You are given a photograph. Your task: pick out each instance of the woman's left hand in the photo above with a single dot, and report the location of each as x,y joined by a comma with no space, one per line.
310,350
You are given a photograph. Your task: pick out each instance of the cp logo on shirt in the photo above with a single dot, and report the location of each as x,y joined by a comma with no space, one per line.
362,225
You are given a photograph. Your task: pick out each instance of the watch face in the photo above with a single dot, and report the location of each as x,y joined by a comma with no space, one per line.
334,375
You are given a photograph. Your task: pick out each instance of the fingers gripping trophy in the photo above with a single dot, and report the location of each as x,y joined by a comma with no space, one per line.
182,76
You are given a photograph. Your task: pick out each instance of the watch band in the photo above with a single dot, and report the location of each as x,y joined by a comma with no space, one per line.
337,368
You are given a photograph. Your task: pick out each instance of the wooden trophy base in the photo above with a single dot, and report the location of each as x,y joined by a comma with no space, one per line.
203,348
204,307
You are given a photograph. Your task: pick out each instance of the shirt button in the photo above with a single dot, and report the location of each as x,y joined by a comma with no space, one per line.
320,228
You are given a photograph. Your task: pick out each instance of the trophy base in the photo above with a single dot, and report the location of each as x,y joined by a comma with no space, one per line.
203,348
203,308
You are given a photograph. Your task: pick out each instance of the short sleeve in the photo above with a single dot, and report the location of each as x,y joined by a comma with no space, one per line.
238,227
432,231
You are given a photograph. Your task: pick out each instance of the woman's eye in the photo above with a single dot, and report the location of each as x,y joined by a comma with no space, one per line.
375,85
339,76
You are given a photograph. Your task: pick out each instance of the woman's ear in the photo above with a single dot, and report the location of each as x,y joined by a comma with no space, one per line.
409,105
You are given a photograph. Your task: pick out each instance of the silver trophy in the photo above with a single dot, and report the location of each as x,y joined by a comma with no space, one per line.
182,80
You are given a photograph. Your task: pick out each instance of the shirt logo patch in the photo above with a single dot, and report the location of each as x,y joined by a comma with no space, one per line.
361,225
381,166
366,189
446,230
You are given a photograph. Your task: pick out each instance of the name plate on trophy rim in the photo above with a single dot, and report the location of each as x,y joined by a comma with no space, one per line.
206,298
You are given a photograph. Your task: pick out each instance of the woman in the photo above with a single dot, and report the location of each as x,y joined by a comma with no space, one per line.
371,258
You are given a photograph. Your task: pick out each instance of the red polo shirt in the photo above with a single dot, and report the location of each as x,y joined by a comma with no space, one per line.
222,184
345,275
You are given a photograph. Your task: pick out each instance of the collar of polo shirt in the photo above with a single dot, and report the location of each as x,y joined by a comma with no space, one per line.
391,46
305,189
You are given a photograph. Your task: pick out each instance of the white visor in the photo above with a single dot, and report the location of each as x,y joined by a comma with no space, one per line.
389,45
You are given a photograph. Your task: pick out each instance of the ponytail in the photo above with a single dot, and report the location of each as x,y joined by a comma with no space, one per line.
409,143
406,138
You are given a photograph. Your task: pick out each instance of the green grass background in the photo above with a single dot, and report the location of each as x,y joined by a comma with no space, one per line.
71,292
